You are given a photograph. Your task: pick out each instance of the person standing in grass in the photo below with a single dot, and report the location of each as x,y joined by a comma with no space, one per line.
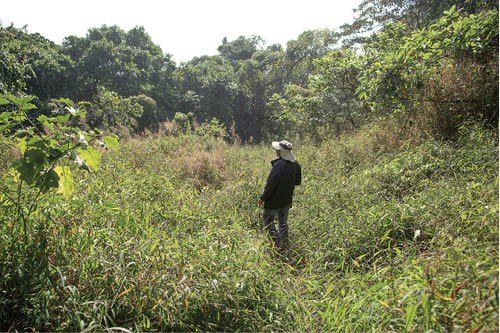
278,192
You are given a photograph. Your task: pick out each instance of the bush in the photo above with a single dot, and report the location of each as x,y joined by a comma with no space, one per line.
183,122
385,235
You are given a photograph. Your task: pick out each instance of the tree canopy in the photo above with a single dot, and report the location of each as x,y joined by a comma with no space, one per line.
395,58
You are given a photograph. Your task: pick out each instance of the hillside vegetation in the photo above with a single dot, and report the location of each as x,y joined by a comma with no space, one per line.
129,184
385,235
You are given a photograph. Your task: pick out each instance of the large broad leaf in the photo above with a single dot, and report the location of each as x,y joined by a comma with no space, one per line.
37,142
111,141
23,102
91,157
37,157
47,180
56,154
25,169
66,180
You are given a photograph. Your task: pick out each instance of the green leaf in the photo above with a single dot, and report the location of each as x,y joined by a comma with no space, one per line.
48,180
18,116
91,157
65,101
26,170
37,142
66,187
4,101
37,157
60,119
56,154
153,247
410,316
23,102
6,115
111,141
426,304
21,144
42,119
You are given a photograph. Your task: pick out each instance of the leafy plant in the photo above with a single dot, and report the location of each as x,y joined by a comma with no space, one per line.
47,145
400,64
211,128
183,122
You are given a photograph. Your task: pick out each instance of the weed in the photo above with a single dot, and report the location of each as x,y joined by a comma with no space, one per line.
385,235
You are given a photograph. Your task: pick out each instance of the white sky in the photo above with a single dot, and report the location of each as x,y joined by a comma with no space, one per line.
183,28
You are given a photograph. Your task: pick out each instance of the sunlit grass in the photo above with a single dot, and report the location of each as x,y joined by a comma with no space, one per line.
166,237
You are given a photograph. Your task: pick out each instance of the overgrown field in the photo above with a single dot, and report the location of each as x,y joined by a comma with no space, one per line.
385,236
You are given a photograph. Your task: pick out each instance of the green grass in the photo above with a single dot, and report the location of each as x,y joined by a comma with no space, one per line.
166,237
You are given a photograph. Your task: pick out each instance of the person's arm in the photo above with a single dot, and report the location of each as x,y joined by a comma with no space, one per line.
272,182
298,175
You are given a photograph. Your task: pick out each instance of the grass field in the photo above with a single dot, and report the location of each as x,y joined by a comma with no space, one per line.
386,235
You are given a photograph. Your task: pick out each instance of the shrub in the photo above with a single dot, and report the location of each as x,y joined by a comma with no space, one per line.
183,122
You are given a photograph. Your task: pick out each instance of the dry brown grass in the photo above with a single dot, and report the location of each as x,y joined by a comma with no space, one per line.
459,91
203,166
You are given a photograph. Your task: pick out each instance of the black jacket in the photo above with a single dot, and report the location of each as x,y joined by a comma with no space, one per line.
280,183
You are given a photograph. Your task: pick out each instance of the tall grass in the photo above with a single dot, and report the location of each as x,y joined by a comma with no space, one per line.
385,236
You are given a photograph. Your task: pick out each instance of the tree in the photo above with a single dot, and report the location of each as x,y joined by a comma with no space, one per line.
32,63
287,74
112,111
416,14
250,105
207,88
149,119
13,73
128,63
409,72
329,101
241,48
301,53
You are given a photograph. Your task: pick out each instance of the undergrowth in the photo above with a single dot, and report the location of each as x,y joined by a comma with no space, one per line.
385,236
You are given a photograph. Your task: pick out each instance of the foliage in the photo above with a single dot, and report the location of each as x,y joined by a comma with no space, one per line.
211,128
208,88
114,111
398,67
389,232
46,148
13,71
150,117
241,48
432,79
329,102
34,63
301,53
416,14
183,122
126,62
405,66
165,237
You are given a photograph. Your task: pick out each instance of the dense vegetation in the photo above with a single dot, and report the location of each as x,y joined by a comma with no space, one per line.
418,60
128,201
165,236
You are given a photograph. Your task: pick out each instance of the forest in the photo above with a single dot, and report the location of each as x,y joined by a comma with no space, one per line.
129,183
